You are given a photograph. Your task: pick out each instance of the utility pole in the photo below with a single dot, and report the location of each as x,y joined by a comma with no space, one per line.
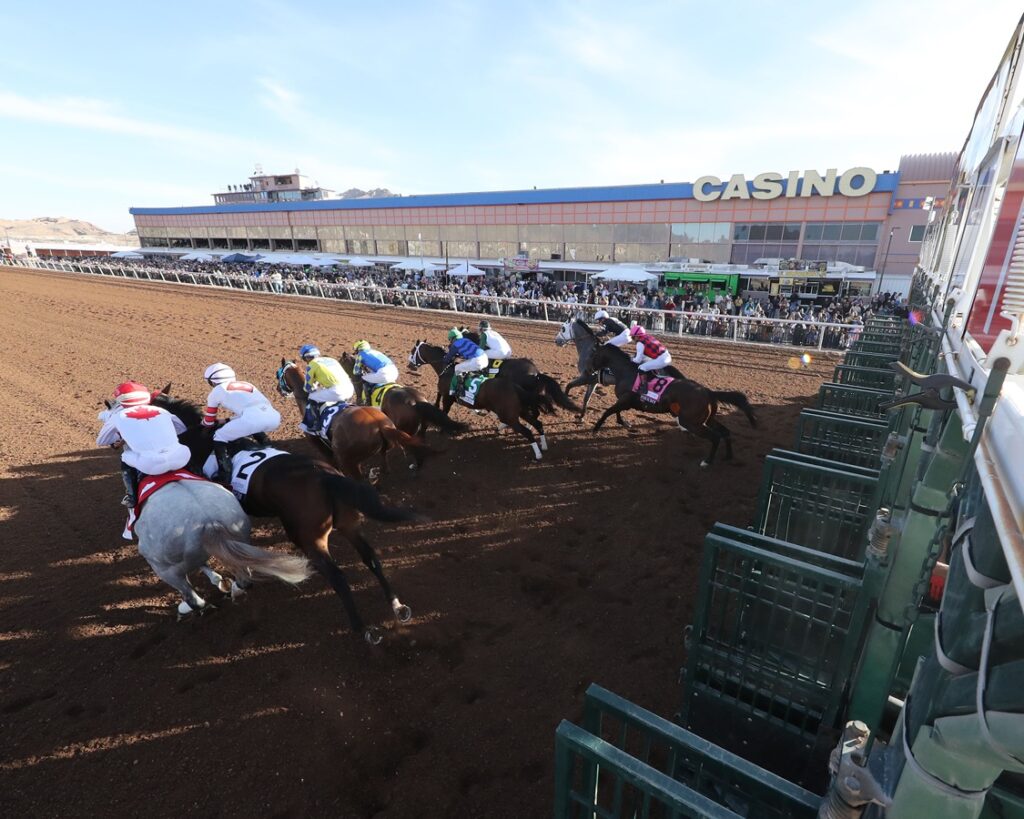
885,259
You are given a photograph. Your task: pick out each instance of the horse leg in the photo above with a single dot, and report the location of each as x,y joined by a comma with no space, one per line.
579,381
616,408
517,426
402,612
216,579
324,563
177,579
591,386
533,419
725,435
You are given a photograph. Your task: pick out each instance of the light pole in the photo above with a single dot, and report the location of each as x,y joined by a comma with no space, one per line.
885,259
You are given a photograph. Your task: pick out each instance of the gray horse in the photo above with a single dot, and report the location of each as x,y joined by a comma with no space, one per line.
576,330
185,523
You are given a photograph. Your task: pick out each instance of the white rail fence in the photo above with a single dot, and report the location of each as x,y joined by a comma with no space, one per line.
824,336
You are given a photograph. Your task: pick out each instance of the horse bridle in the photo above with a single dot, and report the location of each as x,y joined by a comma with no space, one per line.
416,360
282,387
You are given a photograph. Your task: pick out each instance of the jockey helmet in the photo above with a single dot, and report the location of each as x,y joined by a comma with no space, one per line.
454,334
485,325
309,351
600,314
131,394
361,345
218,373
637,330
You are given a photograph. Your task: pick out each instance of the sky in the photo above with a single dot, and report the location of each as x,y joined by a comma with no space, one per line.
109,105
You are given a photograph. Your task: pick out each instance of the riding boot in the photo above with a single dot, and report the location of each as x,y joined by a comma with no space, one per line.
261,438
130,477
220,449
312,417
642,389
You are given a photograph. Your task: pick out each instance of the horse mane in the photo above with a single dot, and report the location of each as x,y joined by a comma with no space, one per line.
586,327
187,412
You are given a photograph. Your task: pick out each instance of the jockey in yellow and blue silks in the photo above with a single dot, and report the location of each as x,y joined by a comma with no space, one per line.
371,367
326,383
473,359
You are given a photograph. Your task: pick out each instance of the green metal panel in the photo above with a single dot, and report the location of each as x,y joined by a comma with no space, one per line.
842,438
870,377
875,360
701,765
877,347
817,503
851,400
773,643
596,780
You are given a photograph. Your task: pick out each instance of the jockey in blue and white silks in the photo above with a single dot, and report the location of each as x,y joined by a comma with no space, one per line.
473,358
372,367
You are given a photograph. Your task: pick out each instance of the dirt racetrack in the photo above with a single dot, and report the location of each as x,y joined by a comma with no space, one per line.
530,582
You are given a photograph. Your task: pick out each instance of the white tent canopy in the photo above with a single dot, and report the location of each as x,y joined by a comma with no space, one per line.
465,270
127,254
326,262
196,257
288,258
359,261
417,264
624,273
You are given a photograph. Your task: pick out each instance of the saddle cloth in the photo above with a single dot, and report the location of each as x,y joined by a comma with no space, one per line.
327,414
469,391
147,486
656,386
378,393
245,463
494,366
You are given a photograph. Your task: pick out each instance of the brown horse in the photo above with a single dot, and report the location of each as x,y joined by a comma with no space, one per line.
311,499
693,405
406,407
503,397
357,433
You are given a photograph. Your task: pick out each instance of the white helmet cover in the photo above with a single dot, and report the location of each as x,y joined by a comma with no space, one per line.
600,314
218,374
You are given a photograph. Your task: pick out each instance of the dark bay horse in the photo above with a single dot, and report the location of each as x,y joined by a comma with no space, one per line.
311,499
580,333
407,409
693,405
357,433
503,397
525,374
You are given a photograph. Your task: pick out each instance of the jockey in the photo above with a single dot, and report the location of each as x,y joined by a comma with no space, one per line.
651,354
254,414
326,383
493,343
610,325
373,368
473,359
149,434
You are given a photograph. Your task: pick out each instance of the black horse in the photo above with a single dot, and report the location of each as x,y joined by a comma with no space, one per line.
311,499
524,373
693,405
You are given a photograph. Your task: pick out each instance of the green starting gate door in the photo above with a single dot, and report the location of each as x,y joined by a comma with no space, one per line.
842,438
772,647
851,400
871,377
818,503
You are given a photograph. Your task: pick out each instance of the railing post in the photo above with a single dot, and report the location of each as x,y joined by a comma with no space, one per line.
546,311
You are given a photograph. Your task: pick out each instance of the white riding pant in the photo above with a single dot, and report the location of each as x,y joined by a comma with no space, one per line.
261,418
158,461
472,365
339,392
620,340
497,355
385,375
662,360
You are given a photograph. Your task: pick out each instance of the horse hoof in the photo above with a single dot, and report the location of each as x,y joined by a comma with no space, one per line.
704,464
184,611
402,612
224,587
236,590
373,636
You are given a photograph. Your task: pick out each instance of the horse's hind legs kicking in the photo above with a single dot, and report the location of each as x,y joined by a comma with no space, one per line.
216,579
716,433
518,426
175,577
402,612
533,419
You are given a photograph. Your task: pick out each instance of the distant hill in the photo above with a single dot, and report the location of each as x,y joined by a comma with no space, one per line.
375,193
62,229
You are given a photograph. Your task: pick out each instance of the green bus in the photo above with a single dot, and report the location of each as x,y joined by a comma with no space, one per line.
711,284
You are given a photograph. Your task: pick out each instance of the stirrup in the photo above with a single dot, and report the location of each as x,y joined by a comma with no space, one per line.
128,501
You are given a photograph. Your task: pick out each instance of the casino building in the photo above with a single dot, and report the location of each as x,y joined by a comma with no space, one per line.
860,216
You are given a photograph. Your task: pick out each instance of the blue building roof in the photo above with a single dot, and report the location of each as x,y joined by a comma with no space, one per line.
886,182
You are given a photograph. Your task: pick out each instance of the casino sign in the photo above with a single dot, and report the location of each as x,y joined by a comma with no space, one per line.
771,185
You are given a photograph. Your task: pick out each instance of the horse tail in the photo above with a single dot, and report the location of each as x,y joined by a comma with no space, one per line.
393,435
364,498
239,556
554,390
738,400
431,414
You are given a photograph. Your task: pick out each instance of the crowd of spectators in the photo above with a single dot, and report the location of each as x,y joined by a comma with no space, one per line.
687,310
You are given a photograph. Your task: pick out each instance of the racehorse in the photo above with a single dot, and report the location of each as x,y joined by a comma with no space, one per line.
184,523
407,409
693,405
526,375
357,433
311,499
503,397
579,332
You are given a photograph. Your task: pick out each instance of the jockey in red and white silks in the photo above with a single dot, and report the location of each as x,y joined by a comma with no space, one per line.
254,414
150,434
651,354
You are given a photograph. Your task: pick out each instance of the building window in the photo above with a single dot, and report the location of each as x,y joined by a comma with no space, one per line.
917,233
766,232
